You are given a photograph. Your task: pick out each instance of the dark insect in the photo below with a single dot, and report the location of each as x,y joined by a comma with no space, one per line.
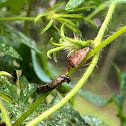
53,84
77,58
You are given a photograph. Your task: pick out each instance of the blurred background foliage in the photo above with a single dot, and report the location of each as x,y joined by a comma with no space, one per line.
32,53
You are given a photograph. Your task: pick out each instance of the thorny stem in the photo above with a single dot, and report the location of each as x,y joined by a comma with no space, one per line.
84,77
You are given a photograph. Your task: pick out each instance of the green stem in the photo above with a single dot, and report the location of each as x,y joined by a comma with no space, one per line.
82,80
98,39
99,9
68,96
79,16
5,115
31,109
106,42
17,18
28,15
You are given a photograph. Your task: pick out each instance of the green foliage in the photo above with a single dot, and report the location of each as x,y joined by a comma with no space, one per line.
89,96
73,4
38,68
5,73
20,97
20,104
119,100
67,44
64,117
93,121
6,43
18,41
15,6
55,14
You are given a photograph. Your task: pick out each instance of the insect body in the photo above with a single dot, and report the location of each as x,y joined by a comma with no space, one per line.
77,58
53,84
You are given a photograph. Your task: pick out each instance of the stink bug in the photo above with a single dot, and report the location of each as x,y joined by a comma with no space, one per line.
77,58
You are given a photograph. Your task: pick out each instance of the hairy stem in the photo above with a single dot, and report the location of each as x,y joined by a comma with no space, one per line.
97,42
99,9
101,32
68,96
106,42
82,80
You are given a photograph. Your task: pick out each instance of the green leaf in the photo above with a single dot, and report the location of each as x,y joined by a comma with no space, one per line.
66,116
93,98
122,82
26,91
17,37
3,4
5,73
23,44
6,97
53,71
5,116
73,4
9,50
89,96
8,88
47,26
94,121
15,5
38,68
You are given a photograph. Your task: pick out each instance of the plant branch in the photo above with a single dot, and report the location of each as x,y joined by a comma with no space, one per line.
68,96
17,18
99,9
106,42
101,32
98,39
84,77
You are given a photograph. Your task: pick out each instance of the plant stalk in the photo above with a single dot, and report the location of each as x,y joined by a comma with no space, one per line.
17,18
